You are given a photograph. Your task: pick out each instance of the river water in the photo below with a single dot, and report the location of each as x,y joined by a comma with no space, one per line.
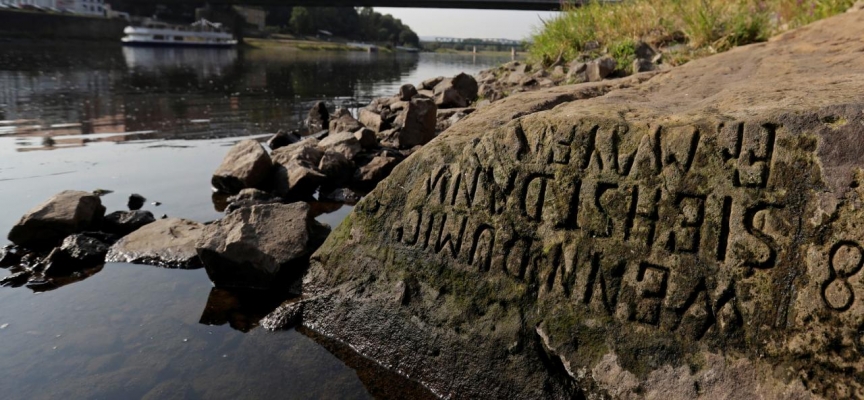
157,122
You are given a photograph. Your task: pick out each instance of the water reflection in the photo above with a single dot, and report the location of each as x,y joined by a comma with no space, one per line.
241,309
205,62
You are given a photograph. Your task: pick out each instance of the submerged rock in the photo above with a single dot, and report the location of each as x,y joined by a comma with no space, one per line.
125,222
136,201
168,243
695,233
250,197
247,165
10,256
63,214
250,247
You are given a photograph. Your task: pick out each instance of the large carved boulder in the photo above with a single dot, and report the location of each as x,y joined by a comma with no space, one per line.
695,233
249,247
65,213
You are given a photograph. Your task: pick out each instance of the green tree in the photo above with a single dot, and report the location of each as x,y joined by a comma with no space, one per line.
301,21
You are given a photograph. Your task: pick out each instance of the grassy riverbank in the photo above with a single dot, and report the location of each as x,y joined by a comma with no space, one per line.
691,28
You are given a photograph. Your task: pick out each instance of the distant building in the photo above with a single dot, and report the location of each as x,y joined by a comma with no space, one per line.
86,7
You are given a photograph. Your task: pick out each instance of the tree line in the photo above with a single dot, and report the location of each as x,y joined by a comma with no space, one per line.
354,23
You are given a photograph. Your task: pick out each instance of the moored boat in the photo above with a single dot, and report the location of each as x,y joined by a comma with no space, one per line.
202,33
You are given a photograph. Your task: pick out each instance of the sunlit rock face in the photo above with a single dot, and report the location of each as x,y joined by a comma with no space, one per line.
690,233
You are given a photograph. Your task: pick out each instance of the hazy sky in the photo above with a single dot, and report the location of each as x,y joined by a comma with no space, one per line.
492,24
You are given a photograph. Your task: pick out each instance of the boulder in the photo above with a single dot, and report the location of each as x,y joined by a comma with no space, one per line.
366,138
250,197
318,118
296,174
450,98
416,124
644,51
336,167
251,246
344,123
247,165
373,120
168,243
125,222
375,171
282,139
430,83
463,83
407,92
642,65
600,68
695,233
77,252
343,142
65,213
10,255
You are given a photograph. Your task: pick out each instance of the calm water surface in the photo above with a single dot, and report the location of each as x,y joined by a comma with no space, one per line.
158,122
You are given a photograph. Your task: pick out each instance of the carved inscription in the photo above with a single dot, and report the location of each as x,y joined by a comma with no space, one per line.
589,213
845,260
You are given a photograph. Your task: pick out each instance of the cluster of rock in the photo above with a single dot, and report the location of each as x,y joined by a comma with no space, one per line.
515,76
693,234
69,235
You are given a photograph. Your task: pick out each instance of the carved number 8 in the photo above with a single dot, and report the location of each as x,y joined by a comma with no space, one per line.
846,260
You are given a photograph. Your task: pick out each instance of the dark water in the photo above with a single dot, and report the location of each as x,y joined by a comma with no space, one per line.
158,122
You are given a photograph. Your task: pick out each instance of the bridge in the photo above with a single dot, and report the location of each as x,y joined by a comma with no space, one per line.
538,5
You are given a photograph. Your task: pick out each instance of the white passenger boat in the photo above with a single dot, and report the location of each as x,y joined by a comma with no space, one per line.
202,33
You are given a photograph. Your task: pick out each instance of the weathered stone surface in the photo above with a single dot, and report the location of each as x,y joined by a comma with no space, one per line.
65,213
336,167
430,83
373,120
375,171
465,85
692,233
344,123
296,172
168,243
125,222
343,142
246,165
249,247
282,139
416,124
366,138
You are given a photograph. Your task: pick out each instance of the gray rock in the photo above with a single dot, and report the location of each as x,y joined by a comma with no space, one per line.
379,168
644,51
10,256
282,139
340,195
64,214
343,142
250,247
168,243
296,174
600,68
336,167
250,197
373,120
450,98
407,92
76,253
416,124
463,83
318,118
430,84
247,165
344,123
125,222
366,138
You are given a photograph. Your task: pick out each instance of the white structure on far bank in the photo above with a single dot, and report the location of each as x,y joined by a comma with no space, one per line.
86,7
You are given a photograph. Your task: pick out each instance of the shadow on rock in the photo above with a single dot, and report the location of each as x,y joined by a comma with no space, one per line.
379,381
